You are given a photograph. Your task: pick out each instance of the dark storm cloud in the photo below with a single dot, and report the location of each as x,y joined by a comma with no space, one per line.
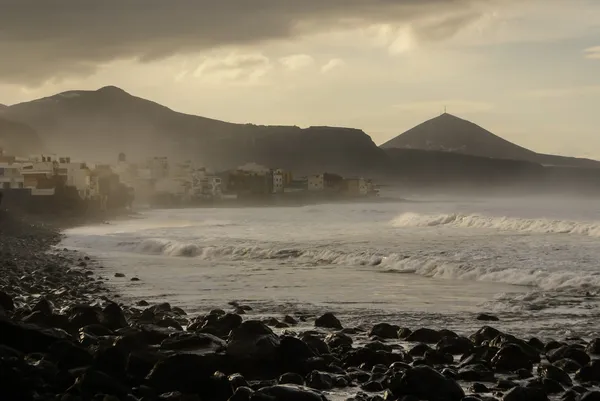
44,39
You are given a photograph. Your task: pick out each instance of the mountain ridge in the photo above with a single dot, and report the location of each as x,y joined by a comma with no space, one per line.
453,134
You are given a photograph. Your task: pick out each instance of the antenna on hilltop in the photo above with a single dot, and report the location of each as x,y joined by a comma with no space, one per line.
445,109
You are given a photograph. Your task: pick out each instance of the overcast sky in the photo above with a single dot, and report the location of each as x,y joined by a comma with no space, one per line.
528,70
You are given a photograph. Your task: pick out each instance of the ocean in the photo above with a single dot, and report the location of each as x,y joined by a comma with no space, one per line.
424,262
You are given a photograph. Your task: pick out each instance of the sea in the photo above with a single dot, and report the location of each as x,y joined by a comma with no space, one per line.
422,261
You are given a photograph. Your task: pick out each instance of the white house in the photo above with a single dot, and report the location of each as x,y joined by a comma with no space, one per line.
278,185
10,176
316,182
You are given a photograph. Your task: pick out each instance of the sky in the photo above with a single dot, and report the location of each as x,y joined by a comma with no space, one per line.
527,70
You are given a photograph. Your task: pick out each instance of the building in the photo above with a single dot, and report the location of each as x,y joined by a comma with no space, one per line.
10,176
316,182
356,186
159,167
78,176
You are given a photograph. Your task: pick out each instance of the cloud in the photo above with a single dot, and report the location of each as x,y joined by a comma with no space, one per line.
297,61
585,90
592,53
56,39
233,68
455,106
332,65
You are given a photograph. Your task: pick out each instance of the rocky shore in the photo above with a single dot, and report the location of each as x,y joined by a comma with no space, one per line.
64,336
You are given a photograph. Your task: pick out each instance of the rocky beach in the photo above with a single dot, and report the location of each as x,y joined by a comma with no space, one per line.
64,335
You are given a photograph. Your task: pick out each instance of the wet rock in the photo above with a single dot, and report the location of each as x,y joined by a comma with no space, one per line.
236,380
404,332
293,352
289,393
590,396
291,378
510,358
568,365
242,394
253,340
134,279
316,344
328,321
525,394
119,275
84,315
319,381
569,351
425,383
188,373
424,335
68,355
111,360
589,373
142,303
113,316
385,330
335,340
479,388
486,333
28,338
95,382
169,322
478,373
197,342
593,348
290,320
455,345
43,306
485,317
221,326
555,373
140,363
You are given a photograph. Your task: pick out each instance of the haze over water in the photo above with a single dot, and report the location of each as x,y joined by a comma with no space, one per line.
423,263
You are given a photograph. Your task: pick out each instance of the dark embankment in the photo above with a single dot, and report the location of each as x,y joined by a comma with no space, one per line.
449,171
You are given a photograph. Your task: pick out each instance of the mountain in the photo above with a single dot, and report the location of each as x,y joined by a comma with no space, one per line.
19,139
449,133
97,125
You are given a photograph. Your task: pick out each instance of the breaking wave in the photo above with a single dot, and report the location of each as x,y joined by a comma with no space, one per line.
542,226
437,267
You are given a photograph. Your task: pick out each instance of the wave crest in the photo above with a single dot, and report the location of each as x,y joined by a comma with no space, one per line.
541,226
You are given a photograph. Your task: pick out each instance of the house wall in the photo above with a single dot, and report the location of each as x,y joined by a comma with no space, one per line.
316,182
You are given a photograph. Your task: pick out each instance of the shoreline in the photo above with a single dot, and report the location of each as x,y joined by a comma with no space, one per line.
63,336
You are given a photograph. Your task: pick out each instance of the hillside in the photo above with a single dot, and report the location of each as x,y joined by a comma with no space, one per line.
449,133
97,125
19,139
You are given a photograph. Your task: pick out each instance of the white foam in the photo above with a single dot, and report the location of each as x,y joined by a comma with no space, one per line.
499,223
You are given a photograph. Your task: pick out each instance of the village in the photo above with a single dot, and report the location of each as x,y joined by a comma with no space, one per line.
50,183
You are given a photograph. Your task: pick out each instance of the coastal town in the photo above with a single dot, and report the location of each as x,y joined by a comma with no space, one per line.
50,182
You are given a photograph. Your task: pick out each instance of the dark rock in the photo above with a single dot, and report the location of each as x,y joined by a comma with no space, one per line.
94,382
328,321
590,396
84,315
455,345
188,373
568,365
140,363
593,348
484,317
335,340
293,352
6,302
372,386
119,275
289,393
28,338
134,279
319,380
291,378
142,303
68,355
253,340
510,358
479,388
589,373
478,373
290,320
486,333
222,325
112,361
425,383
197,342
316,344
44,306
385,330
555,373
525,394
113,316
169,322
236,380
571,352
419,350
424,335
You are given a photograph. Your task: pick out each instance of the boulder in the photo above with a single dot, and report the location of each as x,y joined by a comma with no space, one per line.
253,340
328,321
28,338
335,340
510,358
113,317
589,373
455,345
6,302
188,373
569,351
193,342
68,355
424,335
485,317
316,344
593,348
555,373
319,380
425,383
291,378
385,330
590,396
